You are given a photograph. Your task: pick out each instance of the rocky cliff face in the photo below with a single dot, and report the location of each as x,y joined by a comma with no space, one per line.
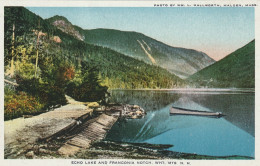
65,26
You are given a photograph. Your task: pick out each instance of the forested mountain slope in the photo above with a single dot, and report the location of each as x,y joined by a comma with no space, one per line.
115,69
179,61
235,70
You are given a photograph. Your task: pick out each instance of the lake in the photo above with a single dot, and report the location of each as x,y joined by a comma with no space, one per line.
233,134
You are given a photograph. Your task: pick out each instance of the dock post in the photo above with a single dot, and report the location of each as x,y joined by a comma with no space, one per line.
120,113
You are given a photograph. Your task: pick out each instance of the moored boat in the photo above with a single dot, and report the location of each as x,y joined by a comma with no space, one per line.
183,111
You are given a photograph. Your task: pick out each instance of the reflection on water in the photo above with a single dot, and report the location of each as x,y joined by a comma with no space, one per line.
231,135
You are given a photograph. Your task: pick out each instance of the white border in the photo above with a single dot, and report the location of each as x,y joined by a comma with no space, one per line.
117,3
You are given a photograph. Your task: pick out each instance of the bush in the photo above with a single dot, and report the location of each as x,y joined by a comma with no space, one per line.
47,93
87,92
90,88
16,105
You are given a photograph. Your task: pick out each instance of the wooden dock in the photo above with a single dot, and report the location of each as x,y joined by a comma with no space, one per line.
182,111
92,130
95,129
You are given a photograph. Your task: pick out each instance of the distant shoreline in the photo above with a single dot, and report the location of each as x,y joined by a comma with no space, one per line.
242,90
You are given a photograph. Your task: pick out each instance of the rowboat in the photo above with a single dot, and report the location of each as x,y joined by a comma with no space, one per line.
183,111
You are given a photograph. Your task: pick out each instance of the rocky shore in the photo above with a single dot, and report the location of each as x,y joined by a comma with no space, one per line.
123,110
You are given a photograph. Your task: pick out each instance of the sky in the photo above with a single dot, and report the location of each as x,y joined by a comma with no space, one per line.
217,31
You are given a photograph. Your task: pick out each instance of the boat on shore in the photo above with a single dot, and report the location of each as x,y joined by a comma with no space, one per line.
183,111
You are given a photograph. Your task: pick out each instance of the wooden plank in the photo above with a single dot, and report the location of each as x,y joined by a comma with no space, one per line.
10,82
77,141
107,121
58,132
96,126
92,130
94,133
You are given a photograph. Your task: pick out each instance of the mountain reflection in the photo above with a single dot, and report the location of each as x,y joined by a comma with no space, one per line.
239,109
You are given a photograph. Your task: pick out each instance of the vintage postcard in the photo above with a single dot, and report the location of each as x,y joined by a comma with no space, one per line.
129,83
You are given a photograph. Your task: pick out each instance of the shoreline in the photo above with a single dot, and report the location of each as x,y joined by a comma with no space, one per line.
126,150
50,149
63,131
187,90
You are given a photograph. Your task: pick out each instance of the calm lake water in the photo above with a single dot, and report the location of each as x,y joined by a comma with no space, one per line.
232,134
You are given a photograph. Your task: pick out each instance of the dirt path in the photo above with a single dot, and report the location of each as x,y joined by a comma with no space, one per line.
20,134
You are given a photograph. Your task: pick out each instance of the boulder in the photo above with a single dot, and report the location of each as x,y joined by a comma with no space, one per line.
93,105
44,151
136,106
139,112
29,154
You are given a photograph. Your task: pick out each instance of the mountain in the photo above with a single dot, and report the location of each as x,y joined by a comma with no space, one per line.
64,25
63,41
235,70
179,61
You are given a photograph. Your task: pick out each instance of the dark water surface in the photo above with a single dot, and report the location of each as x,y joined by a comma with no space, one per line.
229,135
